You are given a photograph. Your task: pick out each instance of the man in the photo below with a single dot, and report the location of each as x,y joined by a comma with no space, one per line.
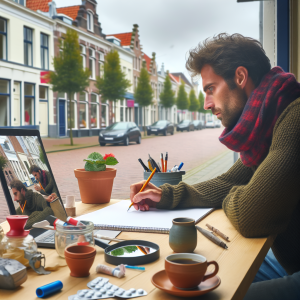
31,204
45,180
259,109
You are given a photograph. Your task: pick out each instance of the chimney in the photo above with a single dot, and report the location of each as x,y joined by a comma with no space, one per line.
52,9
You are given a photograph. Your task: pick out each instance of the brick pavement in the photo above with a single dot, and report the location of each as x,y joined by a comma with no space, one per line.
203,155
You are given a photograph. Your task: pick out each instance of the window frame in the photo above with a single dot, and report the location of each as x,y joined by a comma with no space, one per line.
97,110
44,48
5,34
101,64
93,59
83,55
75,111
29,97
90,17
86,115
25,44
8,100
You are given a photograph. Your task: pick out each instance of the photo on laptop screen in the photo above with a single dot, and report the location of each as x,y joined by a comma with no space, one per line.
30,183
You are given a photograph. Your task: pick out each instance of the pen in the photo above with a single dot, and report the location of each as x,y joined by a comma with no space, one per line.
180,166
143,165
162,162
218,232
166,161
149,165
145,184
134,267
212,237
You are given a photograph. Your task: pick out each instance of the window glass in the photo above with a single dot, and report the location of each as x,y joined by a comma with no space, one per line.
61,95
118,126
4,87
94,115
29,104
29,89
72,113
3,39
101,56
44,52
43,93
101,69
94,98
27,46
82,115
82,49
82,96
3,110
103,115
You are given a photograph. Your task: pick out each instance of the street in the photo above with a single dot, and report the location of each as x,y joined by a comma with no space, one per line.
191,148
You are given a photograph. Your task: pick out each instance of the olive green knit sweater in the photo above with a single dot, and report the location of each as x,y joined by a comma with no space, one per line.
258,201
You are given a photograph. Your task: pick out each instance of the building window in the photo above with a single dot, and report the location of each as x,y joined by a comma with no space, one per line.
44,52
83,55
3,39
92,62
129,75
28,55
4,102
136,44
101,64
43,93
124,70
61,95
122,109
103,115
22,2
72,113
90,21
94,111
139,64
82,114
29,103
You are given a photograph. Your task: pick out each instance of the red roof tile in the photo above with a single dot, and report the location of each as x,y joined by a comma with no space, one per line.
71,11
148,61
125,38
38,5
174,78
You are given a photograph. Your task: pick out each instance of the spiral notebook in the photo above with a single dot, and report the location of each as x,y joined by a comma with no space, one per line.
116,217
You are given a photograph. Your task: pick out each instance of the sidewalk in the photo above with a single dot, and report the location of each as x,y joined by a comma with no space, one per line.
210,169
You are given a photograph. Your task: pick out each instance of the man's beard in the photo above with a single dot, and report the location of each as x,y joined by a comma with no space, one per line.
22,199
231,115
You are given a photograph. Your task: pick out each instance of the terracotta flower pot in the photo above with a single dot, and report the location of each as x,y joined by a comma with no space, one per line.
80,259
95,187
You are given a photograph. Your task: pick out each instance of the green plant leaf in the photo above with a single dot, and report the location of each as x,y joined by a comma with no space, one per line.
95,161
111,161
94,167
95,155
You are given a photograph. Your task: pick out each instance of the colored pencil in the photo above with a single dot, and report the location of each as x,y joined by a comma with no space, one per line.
145,184
162,162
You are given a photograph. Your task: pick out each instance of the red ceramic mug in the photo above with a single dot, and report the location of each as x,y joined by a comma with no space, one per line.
188,270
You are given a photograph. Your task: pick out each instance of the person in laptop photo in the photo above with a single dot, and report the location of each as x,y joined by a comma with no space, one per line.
31,203
46,185
259,107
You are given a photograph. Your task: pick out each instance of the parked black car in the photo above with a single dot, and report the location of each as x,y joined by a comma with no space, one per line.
185,125
120,133
198,124
163,126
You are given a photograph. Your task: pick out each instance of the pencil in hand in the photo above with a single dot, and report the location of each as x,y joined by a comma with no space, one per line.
144,185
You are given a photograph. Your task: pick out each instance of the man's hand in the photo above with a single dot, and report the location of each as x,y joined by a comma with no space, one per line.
148,198
37,187
51,197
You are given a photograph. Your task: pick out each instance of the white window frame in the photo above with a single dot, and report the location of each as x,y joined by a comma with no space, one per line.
96,103
101,64
90,15
75,112
129,75
93,59
123,107
83,54
86,115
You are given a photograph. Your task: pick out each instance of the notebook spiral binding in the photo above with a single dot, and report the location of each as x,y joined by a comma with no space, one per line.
131,228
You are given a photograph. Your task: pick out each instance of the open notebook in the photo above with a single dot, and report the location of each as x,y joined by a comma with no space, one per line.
116,217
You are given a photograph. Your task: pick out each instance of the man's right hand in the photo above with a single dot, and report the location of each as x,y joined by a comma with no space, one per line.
148,198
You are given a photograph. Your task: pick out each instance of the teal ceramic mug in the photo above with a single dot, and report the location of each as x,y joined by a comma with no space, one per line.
183,235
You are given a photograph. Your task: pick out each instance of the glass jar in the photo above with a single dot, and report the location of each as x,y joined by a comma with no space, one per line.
67,235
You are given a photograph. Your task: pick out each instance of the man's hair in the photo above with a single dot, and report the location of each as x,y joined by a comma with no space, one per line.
225,53
18,185
34,168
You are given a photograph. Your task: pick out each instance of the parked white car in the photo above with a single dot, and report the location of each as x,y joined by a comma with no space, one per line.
210,124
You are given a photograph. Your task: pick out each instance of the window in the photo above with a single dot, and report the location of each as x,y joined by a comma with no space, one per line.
124,70
94,111
122,108
82,115
136,44
3,39
92,62
139,64
129,75
72,107
83,55
28,55
90,21
29,104
61,95
22,2
4,102
103,115
43,93
101,64
44,52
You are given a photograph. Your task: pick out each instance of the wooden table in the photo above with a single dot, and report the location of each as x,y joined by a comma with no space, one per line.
238,264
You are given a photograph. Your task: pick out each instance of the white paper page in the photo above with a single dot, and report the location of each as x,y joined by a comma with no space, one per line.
117,214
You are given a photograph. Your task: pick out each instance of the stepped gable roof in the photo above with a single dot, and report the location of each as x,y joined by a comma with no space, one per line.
148,61
125,38
41,5
70,11
174,78
182,76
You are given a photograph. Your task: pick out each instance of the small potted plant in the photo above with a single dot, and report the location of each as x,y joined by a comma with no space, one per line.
95,181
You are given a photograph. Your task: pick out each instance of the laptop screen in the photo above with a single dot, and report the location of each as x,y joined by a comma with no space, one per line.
27,181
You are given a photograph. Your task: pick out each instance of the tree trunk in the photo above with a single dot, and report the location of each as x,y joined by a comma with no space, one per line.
70,118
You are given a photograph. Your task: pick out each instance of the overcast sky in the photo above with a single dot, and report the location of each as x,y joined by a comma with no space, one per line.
172,27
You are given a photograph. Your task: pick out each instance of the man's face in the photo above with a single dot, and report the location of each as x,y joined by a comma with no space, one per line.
19,196
36,175
225,103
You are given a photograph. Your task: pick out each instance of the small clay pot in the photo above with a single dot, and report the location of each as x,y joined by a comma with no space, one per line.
183,235
95,187
80,259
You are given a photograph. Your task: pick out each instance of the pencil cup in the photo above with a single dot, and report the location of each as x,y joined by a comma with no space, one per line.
161,178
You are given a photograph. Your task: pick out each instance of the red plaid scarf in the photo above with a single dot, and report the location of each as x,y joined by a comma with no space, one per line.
252,135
